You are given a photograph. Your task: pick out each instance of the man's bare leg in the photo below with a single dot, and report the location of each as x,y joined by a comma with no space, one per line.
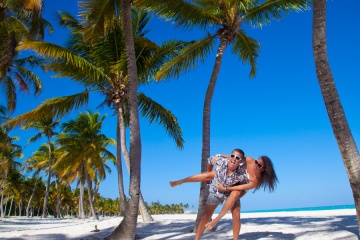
206,176
208,212
236,222
229,203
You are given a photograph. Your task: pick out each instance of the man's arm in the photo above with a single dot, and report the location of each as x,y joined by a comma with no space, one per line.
237,187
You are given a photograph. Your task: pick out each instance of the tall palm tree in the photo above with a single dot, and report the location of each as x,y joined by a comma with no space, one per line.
46,127
127,228
225,19
41,160
19,20
85,150
345,140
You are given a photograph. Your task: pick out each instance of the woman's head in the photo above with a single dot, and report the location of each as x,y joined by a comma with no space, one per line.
268,177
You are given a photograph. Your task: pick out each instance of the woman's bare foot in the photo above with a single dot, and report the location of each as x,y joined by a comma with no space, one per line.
174,183
211,224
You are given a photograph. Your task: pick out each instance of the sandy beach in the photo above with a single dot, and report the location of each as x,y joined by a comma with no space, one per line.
325,224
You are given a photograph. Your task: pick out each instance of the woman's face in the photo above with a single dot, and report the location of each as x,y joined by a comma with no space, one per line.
259,164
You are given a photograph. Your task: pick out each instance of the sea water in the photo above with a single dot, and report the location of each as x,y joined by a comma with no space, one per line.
304,209
337,207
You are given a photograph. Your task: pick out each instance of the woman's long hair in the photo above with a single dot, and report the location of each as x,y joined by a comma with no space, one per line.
268,179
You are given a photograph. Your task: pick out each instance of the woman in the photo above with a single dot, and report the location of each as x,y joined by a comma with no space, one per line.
261,175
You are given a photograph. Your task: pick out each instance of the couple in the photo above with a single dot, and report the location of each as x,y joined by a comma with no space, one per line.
233,176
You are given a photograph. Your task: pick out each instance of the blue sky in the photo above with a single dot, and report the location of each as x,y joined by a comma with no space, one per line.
279,113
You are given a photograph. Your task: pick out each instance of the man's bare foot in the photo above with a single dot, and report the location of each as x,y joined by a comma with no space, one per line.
174,183
211,224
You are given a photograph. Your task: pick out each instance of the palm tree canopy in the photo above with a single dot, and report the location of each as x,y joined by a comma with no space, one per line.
225,19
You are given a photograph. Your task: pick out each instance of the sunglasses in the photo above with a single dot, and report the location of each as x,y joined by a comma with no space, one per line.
258,164
236,157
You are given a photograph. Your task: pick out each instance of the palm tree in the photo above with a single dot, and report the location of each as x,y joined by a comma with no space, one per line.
41,160
45,126
19,20
225,18
8,153
85,150
348,149
127,228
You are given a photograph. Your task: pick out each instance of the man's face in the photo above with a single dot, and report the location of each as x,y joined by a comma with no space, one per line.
235,158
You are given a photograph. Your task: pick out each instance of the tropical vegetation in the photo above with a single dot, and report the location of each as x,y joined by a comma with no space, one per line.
109,54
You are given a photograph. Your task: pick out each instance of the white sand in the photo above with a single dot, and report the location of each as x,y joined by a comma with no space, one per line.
322,225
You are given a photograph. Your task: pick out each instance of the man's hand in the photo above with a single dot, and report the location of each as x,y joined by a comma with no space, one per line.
220,187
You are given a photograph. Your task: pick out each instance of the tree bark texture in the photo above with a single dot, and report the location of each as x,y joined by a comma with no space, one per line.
204,190
127,228
348,149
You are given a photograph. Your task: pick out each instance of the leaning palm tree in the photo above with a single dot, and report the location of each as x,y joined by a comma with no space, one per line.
42,160
225,19
46,127
19,20
348,149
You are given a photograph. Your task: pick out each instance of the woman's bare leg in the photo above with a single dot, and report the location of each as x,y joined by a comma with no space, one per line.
229,203
206,176
208,212
236,222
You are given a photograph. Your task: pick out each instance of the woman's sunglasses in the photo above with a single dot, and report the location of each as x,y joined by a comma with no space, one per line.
236,157
259,165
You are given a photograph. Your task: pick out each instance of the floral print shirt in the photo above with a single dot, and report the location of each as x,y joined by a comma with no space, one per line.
239,176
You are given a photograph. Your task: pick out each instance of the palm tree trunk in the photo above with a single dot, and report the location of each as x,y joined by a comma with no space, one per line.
58,215
205,154
12,200
1,205
127,228
81,201
92,208
31,197
48,183
119,167
146,216
340,126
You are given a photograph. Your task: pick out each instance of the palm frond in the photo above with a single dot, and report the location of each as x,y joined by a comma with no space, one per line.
154,112
30,78
187,59
260,15
246,48
140,19
66,19
181,12
21,83
55,107
97,16
58,52
10,93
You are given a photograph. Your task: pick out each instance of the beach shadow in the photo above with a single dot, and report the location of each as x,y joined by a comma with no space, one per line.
334,224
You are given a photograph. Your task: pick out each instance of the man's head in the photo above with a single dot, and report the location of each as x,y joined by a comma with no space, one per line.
235,157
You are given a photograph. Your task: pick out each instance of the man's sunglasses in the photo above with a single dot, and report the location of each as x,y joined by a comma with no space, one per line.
236,157
259,165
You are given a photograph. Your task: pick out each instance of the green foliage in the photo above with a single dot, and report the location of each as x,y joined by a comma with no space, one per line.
157,208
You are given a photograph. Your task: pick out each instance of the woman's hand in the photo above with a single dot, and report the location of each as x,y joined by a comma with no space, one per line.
220,187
